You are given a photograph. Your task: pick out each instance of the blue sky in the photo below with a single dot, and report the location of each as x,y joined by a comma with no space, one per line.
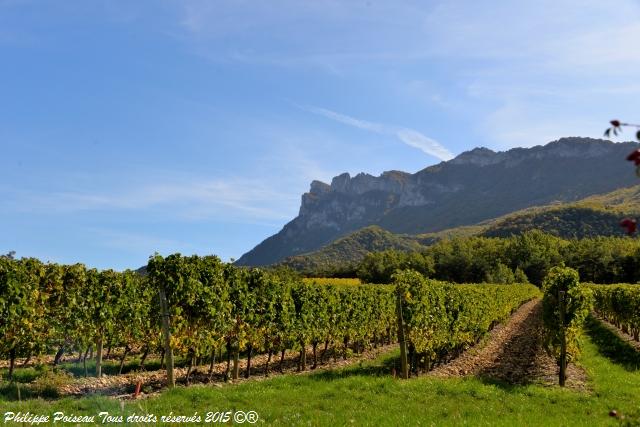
195,126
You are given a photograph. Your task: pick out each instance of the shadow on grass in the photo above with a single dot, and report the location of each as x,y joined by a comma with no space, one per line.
384,368
612,346
112,366
503,384
362,369
19,392
21,375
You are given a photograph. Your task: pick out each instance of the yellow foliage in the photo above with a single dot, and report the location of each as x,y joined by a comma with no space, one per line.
331,281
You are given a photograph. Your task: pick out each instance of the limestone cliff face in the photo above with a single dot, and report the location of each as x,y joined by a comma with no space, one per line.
477,185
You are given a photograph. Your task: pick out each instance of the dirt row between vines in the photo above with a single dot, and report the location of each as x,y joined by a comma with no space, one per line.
628,338
513,353
122,386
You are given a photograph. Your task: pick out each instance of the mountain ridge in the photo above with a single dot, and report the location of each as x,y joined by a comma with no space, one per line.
477,185
593,216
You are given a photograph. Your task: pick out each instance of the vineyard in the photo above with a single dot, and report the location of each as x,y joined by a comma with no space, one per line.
211,306
197,319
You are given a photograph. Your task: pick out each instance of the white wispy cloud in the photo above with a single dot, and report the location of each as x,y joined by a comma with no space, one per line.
428,145
231,199
540,70
410,137
347,120
332,35
134,242
547,32
547,59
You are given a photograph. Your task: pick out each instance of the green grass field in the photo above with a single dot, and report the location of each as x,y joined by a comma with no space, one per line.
366,394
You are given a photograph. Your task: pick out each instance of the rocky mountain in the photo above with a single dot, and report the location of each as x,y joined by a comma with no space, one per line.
593,216
475,186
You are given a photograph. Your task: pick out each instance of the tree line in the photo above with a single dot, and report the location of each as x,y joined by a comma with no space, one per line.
526,258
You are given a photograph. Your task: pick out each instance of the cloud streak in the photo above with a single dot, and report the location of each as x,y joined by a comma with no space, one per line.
562,70
410,137
555,49
237,199
135,242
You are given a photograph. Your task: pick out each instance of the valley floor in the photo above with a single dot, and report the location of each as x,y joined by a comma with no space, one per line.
489,393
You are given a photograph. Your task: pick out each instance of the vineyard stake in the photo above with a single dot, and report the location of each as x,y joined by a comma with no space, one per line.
401,339
563,340
167,337
235,374
99,357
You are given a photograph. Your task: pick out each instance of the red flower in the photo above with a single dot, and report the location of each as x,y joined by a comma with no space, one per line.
629,224
634,157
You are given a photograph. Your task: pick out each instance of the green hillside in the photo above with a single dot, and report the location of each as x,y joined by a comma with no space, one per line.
347,251
598,215
593,216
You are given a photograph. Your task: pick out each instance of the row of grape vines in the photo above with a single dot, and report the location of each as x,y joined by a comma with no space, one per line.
620,305
213,304
565,306
442,319
210,305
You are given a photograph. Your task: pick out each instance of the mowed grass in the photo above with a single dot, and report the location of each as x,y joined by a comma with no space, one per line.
366,394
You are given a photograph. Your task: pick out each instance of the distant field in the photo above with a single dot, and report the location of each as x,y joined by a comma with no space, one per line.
332,281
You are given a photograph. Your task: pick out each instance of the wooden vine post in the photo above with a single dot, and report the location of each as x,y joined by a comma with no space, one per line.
166,332
563,339
404,368
99,344
236,362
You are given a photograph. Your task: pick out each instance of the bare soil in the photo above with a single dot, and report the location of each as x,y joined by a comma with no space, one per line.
513,354
619,332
